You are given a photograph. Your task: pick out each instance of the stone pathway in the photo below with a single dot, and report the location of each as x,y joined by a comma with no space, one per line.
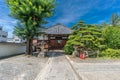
58,68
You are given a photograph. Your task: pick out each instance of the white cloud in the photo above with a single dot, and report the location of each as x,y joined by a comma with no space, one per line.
73,11
8,25
8,21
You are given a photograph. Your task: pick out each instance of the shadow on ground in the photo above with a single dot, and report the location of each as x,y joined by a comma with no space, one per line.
54,54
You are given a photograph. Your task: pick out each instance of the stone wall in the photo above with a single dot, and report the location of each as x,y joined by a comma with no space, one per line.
9,49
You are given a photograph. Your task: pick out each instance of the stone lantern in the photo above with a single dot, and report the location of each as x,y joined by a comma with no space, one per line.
42,46
75,52
42,52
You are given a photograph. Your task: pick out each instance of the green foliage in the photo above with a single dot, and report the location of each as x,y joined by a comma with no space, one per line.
111,53
97,38
115,19
68,49
78,25
36,9
112,37
89,36
31,13
21,31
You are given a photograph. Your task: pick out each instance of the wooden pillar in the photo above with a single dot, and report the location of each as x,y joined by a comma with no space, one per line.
48,42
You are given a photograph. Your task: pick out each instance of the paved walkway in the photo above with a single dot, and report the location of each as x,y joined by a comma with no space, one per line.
58,68
98,71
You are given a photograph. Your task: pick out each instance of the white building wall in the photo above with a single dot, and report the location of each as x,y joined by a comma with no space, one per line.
3,36
10,40
15,39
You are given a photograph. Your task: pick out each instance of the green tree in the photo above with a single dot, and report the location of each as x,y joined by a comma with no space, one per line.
104,24
89,37
112,37
78,25
115,19
32,14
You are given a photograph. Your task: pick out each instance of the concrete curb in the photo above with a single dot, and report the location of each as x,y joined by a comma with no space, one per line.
42,72
71,64
80,76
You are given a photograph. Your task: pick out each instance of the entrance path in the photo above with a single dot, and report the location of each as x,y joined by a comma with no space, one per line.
57,68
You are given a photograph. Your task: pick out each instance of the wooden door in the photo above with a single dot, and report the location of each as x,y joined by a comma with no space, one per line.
57,44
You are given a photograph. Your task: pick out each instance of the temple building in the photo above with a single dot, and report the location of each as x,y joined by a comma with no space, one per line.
54,37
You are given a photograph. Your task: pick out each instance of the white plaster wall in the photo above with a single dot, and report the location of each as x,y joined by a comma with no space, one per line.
7,49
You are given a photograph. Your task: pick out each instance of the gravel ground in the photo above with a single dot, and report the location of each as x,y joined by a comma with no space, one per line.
21,67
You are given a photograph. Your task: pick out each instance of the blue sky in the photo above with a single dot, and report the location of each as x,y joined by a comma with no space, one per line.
68,12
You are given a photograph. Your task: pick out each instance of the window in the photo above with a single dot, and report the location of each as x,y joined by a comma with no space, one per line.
0,28
64,38
4,36
16,39
52,37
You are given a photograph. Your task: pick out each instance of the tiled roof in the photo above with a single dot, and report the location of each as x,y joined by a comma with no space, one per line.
57,29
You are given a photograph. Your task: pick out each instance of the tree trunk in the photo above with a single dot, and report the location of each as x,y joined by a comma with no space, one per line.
29,47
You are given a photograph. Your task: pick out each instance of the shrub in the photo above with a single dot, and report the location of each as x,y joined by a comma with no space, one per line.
112,37
111,53
68,49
